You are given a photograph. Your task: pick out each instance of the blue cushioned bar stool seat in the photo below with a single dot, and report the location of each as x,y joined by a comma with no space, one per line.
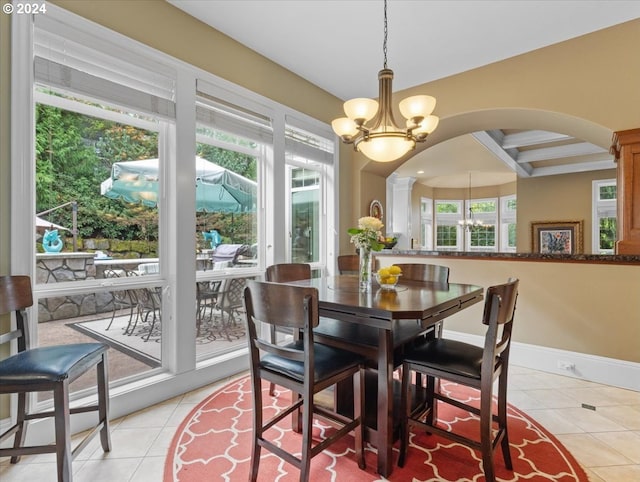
49,368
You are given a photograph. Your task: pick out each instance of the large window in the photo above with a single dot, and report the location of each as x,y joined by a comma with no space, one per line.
448,231
482,237
101,119
604,218
473,225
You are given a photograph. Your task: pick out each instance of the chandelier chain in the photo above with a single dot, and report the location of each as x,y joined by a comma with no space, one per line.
384,44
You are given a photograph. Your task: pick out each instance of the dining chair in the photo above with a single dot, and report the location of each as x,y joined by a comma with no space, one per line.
48,368
348,264
471,366
284,273
304,367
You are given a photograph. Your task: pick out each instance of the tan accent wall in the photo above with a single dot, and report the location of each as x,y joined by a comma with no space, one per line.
580,307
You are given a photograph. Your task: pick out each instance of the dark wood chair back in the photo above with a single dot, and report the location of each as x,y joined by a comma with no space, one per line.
15,296
288,272
348,263
424,272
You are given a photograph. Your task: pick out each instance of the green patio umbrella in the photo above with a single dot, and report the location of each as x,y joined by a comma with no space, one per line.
217,189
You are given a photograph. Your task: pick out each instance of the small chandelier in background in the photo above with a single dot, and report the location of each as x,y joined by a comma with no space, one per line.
469,222
382,140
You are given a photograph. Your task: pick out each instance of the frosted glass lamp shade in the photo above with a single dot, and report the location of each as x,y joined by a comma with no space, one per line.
386,149
344,127
361,108
427,126
417,106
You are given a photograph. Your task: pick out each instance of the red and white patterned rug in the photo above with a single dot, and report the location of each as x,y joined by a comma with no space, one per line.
214,443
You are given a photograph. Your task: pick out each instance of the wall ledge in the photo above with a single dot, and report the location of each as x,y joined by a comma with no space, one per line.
553,258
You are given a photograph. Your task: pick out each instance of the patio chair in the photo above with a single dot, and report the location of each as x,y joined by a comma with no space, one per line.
230,303
121,299
48,368
207,293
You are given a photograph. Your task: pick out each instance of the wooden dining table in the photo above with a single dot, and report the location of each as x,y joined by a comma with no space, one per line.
378,323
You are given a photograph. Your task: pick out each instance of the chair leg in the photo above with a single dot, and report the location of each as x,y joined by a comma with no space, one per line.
430,401
359,412
103,403
257,429
307,429
63,431
20,434
502,420
486,445
405,412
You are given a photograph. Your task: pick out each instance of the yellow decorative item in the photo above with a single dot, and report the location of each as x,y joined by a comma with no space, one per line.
388,277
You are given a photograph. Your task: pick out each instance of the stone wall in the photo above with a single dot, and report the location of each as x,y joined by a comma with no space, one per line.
63,267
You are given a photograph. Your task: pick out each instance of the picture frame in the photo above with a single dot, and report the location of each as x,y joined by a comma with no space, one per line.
556,237
375,209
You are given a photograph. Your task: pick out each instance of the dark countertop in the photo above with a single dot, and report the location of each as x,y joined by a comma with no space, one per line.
554,258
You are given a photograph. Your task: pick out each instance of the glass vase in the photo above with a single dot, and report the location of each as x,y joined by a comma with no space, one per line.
364,271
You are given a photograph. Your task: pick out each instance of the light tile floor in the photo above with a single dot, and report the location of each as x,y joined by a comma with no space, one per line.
606,441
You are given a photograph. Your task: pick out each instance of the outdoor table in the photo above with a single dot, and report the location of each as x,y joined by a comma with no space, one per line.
395,317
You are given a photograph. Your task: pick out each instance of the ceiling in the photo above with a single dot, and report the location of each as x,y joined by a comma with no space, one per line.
312,37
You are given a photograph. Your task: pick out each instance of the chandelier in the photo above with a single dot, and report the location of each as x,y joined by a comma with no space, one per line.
469,222
381,139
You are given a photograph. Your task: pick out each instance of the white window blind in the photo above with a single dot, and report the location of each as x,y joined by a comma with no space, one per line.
303,146
69,59
225,116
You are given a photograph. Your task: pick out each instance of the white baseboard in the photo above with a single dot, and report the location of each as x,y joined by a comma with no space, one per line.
608,371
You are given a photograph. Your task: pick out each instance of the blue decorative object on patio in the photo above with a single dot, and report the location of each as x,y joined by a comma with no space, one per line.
213,237
51,241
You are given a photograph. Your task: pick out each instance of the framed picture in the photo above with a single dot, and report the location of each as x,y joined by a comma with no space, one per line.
556,237
375,209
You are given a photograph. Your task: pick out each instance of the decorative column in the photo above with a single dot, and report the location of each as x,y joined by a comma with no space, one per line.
626,150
